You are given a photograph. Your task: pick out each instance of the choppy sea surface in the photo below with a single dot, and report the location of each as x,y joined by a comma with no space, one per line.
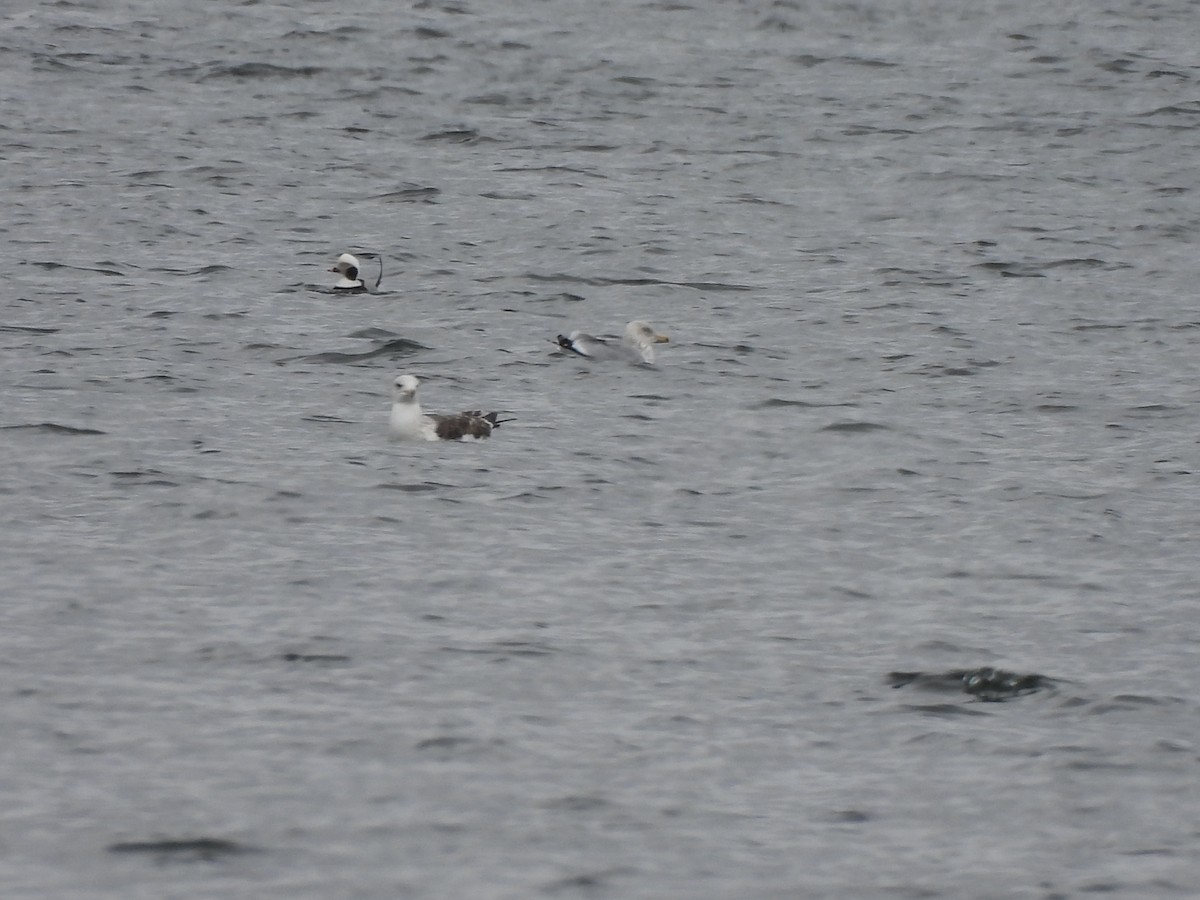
930,407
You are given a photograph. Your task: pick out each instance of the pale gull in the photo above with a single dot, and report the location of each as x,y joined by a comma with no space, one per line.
637,346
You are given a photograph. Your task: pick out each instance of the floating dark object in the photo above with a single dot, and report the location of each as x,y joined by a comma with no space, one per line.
985,683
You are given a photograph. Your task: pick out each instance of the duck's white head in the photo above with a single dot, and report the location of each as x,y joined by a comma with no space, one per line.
406,388
347,266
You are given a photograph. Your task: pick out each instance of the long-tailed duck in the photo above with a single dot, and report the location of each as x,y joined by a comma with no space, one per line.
352,281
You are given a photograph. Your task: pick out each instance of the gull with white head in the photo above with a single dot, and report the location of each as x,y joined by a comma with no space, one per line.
409,422
637,345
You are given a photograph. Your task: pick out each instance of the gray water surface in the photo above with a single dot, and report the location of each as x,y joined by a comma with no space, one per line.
929,271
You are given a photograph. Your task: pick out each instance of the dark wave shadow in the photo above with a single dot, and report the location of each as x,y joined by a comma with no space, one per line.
51,428
391,349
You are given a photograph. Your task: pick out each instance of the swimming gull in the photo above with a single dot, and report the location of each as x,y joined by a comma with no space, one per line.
409,423
637,346
351,283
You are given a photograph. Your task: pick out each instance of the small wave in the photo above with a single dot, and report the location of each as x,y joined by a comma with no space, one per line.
1012,270
856,427
374,334
49,266
1176,109
396,348
638,282
51,428
456,136
26,329
413,193
945,710
257,71
144,478
778,402
1086,262
203,849
325,658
